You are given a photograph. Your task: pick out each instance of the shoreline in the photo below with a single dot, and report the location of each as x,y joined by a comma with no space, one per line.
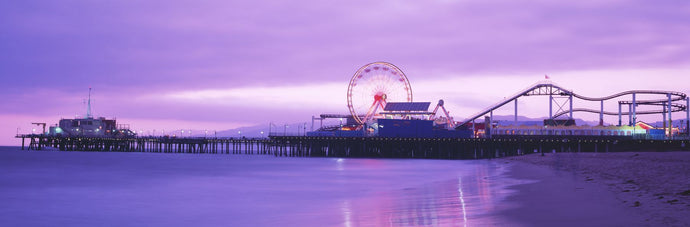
653,187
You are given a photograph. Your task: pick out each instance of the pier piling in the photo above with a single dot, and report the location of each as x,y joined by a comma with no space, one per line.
360,147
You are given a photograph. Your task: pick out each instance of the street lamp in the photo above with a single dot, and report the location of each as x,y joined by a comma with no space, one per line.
285,130
239,133
262,133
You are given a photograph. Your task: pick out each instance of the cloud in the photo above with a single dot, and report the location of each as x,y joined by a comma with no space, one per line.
136,44
329,96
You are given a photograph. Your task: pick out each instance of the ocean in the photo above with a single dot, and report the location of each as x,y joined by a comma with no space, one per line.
53,188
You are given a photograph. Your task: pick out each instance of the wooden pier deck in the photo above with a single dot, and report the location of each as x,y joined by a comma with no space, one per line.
365,147
149,144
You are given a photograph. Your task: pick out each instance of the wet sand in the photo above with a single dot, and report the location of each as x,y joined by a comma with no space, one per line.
644,188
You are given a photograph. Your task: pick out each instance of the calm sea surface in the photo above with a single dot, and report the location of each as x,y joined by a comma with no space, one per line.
50,188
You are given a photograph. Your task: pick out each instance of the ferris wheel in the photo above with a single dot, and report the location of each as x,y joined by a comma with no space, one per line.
372,86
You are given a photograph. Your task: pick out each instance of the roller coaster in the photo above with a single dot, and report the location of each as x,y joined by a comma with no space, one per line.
673,102
376,85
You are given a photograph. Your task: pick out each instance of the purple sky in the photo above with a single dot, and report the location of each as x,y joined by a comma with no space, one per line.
222,64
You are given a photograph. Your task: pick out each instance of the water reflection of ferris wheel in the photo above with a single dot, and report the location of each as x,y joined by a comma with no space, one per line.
372,86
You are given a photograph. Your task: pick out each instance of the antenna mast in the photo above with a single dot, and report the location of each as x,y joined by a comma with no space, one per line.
88,108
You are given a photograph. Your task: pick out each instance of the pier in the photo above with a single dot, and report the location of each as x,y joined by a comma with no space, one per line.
149,144
358,147
384,122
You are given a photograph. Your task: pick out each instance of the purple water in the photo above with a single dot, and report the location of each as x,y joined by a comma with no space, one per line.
51,188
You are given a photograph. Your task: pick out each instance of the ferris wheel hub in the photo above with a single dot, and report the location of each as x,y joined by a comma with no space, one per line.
380,97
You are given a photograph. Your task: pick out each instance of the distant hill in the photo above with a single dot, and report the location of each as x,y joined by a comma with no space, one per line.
251,131
298,128
256,130
682,123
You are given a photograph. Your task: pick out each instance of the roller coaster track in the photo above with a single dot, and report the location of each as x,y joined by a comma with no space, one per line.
550,88
614,113
676,96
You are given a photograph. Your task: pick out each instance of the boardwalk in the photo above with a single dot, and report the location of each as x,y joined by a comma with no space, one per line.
366,147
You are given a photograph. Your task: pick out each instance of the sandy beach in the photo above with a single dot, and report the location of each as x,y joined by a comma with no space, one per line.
654,186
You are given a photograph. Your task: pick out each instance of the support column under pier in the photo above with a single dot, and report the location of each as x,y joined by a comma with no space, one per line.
629,114
550,106
516,111
670,121
620,120
601,114
634,107
490,127
571,105
663,115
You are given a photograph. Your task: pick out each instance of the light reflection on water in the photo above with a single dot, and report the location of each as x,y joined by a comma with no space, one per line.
443,200
135,189
462,202
434,204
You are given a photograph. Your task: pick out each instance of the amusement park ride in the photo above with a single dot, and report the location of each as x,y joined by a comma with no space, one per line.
372,86
379,95
381,91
